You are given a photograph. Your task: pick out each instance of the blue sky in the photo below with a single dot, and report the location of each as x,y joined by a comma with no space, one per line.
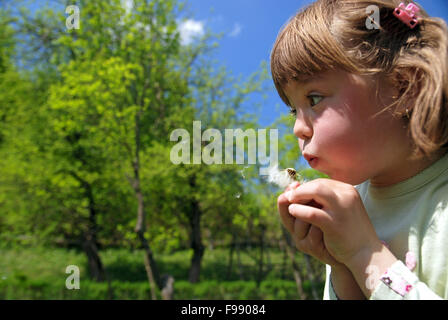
251,27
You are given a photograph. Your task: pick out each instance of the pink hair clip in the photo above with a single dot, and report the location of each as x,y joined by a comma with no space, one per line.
408,15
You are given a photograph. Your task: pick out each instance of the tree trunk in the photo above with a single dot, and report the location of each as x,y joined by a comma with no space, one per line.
196,243
230,264
96,270
195,238
285,256
140,228
168,288
89,241
261,260
238,260
311,277
285,242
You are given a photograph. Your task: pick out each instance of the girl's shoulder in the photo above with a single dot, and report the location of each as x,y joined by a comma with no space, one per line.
432,183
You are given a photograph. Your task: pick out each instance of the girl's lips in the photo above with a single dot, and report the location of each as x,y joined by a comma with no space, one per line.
313,162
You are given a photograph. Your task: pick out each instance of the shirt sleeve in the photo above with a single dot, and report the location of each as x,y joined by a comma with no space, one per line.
400,283
329,293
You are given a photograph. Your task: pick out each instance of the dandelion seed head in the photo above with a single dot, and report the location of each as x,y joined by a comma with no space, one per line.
282,178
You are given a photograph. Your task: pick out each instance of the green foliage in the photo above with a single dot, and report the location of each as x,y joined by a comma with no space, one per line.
207,290
84,113
39,273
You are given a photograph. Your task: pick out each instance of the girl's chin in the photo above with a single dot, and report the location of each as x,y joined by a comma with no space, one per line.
345,179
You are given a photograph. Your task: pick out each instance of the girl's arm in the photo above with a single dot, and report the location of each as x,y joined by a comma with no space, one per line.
387,278
344,284
350,238
368,266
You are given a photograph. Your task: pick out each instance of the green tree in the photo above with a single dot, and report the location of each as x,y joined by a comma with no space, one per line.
98,145
115,86
119,90
210,195
18,127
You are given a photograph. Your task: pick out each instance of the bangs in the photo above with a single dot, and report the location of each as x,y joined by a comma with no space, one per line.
306,47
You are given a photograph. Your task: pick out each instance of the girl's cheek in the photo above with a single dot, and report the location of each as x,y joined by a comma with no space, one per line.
332,131
338,142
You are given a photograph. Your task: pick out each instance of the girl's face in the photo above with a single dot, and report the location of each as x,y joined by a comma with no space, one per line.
335,124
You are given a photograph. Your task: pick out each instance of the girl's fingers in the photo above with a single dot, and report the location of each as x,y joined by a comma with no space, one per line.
309,214
292,186
315,237
314,244
315,190
287,219
301,229
283,203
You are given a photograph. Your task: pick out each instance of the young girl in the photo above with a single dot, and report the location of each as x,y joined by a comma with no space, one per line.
370,98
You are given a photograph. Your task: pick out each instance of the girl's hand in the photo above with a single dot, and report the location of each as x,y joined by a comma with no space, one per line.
327,219
338,213
307,238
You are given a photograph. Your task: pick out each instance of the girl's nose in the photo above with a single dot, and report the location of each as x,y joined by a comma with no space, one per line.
303,129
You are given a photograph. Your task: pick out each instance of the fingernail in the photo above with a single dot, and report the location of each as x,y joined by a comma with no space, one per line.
292,207
295,184
288,195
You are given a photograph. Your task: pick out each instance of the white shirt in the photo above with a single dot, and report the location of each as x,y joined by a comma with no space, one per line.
411,217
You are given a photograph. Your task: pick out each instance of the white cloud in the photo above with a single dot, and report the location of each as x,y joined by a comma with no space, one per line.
236,30
128,5
190,29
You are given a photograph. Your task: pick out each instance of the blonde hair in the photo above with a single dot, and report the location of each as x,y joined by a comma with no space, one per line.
331,34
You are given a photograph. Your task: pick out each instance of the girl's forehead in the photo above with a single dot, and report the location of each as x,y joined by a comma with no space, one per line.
323,75
327,76
331,81
336,76
306,79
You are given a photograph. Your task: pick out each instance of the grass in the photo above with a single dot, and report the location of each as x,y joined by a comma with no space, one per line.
39,273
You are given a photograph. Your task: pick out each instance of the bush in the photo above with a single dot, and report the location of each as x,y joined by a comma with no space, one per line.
207,290
39,273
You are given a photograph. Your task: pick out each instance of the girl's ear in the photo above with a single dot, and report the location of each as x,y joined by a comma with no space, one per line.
408,84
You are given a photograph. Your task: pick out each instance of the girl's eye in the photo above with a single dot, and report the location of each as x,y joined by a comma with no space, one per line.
292,111
314,99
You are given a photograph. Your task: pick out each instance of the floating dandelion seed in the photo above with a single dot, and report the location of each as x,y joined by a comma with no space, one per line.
238,195
242,172
283,178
